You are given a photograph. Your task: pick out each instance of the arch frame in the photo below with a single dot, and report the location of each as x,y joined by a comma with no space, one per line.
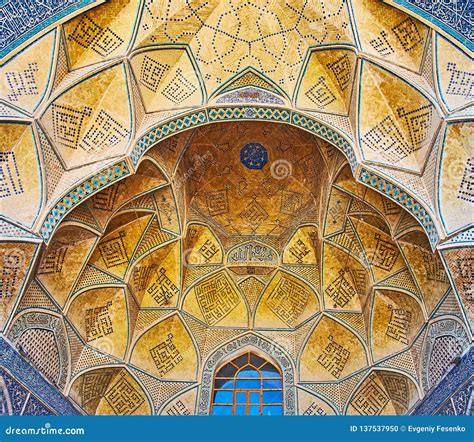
50,321
446,325
128,164
248,342
376,369
119,367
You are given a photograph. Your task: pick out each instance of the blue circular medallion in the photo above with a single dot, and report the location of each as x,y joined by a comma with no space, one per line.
254,156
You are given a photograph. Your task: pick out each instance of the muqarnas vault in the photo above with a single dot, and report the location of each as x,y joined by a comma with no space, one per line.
236,207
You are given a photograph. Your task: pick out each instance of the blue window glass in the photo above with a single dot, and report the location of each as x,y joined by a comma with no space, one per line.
249,385
223,397
272,397
256,361
254,411
222,410
240,410
272,411
227,371
274,383
255,398
224,383
241,398
248,373
241,361
269,371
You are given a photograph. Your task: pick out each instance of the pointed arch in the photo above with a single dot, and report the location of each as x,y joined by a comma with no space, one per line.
237,346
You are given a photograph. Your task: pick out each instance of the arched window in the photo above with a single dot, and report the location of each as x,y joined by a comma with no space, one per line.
248,386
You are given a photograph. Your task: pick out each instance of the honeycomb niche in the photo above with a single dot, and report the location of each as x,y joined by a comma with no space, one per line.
236,207
150,277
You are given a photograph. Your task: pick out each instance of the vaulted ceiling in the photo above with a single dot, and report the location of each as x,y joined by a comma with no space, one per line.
152,149
384,87
225,231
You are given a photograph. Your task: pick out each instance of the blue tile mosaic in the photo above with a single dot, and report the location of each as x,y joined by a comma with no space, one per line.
25,374
457,385
21,20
